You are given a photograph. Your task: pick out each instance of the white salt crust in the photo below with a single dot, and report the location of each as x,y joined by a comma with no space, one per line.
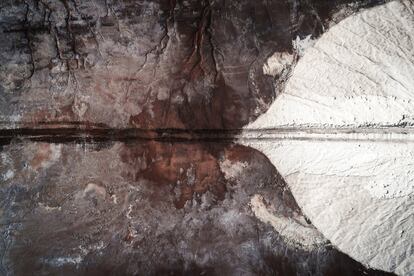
358,193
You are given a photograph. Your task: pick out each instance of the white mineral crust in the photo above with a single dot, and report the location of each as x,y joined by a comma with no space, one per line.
358,192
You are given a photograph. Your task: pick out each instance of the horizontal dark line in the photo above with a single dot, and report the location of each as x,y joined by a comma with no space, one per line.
96,133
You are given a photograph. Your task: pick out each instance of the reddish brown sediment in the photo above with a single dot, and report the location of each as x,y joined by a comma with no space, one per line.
95,210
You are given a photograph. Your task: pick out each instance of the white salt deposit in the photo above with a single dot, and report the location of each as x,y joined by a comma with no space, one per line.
358,193
232,170
278,62
300,45
291,230
8,175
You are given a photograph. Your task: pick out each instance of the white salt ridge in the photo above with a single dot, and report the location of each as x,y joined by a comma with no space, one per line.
8,175
74,259
232,170
61,261
291,230
358,193
300,45
49,208
278,62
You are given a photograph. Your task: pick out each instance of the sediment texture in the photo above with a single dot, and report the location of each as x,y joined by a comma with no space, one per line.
118,128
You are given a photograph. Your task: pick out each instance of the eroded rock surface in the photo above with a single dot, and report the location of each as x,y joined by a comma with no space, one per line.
109,204
132,209
151,64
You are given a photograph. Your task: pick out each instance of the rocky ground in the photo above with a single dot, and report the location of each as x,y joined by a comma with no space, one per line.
78,197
